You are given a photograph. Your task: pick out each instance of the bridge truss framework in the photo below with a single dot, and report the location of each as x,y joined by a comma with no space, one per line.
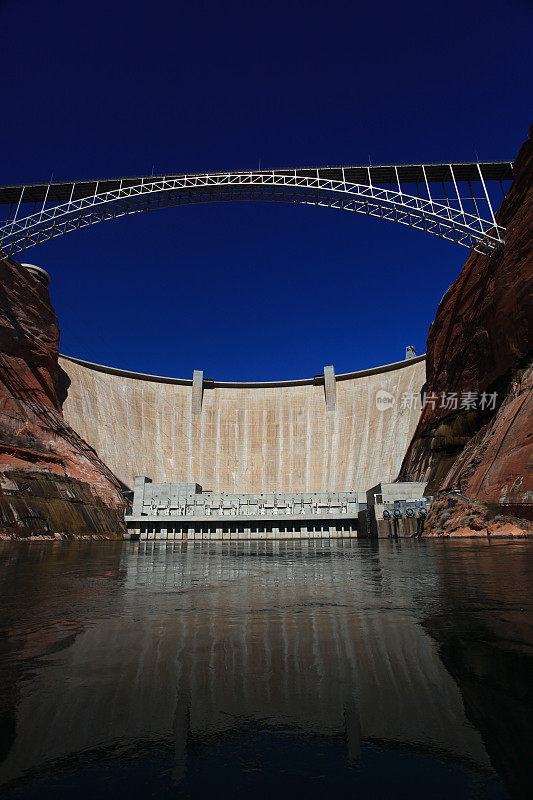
453,201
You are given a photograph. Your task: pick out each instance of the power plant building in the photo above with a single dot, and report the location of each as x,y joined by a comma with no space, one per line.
184,511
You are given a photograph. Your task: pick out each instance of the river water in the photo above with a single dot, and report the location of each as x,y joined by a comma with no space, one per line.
378,669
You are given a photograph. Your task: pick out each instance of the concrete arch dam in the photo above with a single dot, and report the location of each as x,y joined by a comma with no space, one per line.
327,433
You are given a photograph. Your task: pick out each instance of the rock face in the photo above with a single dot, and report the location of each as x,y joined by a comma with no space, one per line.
458,516
51,481
480,342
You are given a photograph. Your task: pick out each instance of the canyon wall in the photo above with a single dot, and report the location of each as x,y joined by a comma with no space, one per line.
51,481
480,342
246,438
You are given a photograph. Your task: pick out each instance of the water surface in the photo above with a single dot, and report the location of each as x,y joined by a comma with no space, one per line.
375,669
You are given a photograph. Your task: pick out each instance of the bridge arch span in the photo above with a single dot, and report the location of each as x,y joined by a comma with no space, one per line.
68,207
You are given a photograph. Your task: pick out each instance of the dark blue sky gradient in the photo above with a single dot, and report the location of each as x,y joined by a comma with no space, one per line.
253,291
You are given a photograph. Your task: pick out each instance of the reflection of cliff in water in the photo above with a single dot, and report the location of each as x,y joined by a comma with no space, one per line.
46,592
205,640
485,641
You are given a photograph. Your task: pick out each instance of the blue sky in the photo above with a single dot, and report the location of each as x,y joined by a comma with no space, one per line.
253,291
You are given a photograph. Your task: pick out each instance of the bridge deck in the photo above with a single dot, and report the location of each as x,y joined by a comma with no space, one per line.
386,174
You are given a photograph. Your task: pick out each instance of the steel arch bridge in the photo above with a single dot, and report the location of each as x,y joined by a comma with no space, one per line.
453,201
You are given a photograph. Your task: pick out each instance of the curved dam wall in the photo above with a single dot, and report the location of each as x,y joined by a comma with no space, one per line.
248,438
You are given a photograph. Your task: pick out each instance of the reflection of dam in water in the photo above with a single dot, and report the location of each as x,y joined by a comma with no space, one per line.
323,638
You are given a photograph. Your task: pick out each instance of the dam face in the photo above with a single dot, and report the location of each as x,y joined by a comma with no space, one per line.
329,434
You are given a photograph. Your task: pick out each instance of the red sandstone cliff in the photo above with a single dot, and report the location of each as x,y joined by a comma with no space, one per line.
51,481
480,341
